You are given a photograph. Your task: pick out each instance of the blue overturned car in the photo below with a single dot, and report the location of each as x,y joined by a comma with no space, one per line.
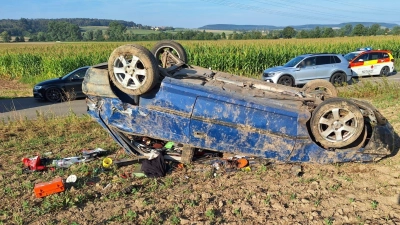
156,94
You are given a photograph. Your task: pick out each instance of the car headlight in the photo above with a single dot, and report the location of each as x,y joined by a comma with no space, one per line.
271,74
37,87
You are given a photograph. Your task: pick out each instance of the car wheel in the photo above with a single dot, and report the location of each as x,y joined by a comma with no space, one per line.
53,94
384,71
320,85
338,79
166,52
337,123
286,80
133,69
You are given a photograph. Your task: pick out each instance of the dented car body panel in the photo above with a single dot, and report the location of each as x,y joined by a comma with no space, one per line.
222,115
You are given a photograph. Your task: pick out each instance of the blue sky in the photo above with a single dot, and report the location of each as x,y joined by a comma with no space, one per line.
196,13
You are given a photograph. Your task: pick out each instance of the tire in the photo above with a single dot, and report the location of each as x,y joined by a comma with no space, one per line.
384,71
286,80
336,131
53,94
338,78
320,85
133,69
164,48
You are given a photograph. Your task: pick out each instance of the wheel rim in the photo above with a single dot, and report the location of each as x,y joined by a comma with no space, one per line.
129,71
53,95
338,79
337,124
163,55
286,81
384,71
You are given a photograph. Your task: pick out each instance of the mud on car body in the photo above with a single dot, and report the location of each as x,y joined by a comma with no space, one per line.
156,94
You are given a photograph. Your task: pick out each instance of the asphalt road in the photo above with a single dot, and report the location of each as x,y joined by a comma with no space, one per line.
20,108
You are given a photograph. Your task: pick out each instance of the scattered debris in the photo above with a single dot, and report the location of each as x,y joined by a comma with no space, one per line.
107,162
34,164
155,167
169,145
67,162
71,179
109,185
242,162
246,169
139,175
48,188
91,154
126,162
297,170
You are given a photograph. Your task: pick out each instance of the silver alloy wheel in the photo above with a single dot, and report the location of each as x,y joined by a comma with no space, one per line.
129,72
338,124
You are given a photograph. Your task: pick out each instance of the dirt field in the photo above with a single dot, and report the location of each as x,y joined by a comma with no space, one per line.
270,193
351,193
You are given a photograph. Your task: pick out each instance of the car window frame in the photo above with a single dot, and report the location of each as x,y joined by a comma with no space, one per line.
327,61
362,56
308,58
71,77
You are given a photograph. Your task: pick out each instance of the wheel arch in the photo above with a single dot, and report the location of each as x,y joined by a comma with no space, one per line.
290,75
337,71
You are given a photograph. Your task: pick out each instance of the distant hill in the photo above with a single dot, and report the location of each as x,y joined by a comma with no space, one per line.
23,25
297,27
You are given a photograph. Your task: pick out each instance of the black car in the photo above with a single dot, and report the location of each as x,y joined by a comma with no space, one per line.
67,87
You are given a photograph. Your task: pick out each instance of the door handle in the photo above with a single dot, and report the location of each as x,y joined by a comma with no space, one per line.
199,134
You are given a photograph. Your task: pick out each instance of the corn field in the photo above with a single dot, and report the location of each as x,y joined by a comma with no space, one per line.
33,62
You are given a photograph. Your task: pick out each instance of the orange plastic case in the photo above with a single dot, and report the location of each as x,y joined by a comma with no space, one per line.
48,188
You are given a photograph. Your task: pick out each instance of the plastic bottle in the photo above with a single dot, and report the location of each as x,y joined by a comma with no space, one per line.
66,162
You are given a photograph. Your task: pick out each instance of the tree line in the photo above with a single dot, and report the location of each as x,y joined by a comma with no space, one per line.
116,31
27,27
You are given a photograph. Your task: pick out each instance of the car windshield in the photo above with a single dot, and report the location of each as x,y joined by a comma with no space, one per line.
65,77
351,56
293,62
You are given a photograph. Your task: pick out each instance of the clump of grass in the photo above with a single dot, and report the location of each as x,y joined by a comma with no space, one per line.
382,92
210,214
374,204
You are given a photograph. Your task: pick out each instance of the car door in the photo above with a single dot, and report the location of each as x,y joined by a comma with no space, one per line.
374,62
323,67
74,82
162,113
234,126
360,65
305,70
